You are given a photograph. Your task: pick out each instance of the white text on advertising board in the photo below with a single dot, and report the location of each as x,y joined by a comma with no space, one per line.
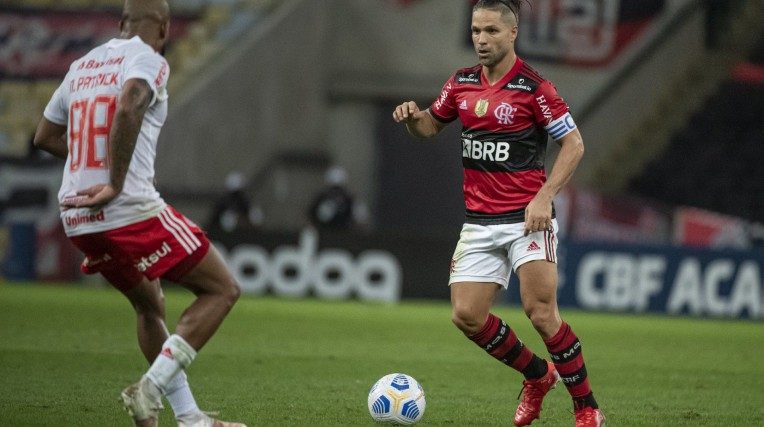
332,273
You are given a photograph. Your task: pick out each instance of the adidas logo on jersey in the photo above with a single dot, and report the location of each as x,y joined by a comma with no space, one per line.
533,247
463,105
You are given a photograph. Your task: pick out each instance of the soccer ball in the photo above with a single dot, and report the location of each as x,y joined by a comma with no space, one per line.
396,398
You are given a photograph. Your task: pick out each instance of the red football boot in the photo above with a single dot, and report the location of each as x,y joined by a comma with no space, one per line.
533,393
589,417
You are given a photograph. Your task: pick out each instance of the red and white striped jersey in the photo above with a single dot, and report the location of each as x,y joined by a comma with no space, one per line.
85,103
505,127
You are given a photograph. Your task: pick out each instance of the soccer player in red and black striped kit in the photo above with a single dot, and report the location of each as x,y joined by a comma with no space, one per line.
507,112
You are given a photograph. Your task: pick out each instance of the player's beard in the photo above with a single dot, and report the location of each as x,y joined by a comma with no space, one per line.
493,58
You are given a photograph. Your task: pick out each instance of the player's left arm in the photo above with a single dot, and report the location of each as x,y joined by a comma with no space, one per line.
51,137
552,112
538,213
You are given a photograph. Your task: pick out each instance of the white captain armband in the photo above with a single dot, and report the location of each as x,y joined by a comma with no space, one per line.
561,126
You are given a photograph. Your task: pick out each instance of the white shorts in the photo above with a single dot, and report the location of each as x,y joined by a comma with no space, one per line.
485,252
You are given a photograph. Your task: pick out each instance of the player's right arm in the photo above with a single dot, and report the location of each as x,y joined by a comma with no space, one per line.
133,102
419,123
428,123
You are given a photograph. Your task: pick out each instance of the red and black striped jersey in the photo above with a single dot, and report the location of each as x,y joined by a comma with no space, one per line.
504,136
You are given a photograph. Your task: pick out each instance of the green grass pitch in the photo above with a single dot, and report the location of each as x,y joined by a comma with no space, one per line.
66,352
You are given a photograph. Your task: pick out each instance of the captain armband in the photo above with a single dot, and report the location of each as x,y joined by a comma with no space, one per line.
561,126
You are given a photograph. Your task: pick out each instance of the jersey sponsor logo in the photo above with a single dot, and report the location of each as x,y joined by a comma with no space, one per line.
545,110
495,151
519,83
91,64
481,107
74,221
145,262
443,96
472,78
505,113
511,85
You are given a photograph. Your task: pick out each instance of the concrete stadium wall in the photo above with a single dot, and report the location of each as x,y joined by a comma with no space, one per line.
265,93
625,109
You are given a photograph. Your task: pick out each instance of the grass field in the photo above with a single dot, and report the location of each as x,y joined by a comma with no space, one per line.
66,352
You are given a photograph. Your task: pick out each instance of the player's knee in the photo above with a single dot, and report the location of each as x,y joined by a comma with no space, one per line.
149,314
536,313
149,306
234,291
466,320
231,291
540,315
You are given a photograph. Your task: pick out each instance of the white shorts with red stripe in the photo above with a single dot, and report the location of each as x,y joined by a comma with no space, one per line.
486,252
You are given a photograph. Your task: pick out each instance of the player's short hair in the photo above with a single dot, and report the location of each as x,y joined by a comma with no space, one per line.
503,6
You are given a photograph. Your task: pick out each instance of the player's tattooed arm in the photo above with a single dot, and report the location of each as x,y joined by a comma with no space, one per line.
133,103
51,137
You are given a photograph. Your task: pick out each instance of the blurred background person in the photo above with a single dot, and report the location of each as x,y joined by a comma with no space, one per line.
234,209
335,207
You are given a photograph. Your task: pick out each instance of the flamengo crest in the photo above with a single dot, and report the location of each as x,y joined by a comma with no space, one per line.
505,113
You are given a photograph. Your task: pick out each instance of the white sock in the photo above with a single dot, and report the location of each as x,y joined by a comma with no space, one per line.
178,393
176,354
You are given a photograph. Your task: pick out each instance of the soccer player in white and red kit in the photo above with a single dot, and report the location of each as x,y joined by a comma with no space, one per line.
508,111
105,120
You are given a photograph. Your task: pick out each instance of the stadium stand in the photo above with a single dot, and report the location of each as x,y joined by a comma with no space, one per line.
714,162
23,96
689,89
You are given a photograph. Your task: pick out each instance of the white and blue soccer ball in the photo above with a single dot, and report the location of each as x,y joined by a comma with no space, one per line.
396,398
